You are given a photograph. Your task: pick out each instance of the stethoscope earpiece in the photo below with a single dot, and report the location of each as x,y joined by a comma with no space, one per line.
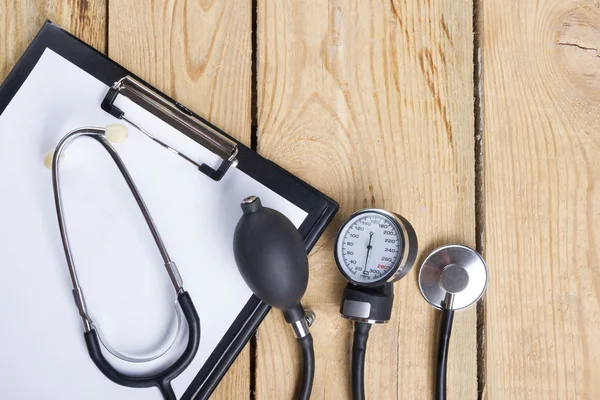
453,272
114,133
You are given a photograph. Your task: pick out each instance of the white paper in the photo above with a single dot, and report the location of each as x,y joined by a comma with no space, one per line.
120,270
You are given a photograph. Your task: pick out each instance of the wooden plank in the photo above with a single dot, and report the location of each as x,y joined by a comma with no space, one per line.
21,20
541,86
372,103
199,53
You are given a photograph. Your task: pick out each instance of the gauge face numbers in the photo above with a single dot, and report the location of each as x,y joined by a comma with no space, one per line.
368,248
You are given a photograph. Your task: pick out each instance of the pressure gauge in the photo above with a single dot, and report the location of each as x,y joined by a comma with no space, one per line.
374,247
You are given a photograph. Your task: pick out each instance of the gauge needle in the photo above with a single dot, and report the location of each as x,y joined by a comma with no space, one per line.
369,247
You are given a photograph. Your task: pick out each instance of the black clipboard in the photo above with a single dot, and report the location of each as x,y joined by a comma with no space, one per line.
319,207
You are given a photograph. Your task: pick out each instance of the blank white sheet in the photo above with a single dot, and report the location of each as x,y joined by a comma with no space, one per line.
120,270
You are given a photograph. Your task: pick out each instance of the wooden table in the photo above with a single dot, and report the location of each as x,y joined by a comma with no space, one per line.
476,120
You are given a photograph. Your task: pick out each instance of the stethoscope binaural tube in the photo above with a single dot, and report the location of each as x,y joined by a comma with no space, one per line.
161,380
451,278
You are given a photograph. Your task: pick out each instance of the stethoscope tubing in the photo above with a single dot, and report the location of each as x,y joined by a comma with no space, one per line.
163,379
444,332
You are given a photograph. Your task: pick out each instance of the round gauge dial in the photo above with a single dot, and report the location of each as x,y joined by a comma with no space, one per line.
370,247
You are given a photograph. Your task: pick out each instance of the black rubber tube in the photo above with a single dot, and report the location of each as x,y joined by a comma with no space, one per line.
359,349
167,391
162,379
308,367
445,330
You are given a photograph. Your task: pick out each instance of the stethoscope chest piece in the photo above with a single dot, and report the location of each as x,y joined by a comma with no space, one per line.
453,272
451,278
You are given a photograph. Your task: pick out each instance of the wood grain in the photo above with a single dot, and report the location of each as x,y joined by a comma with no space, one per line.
541,70
199,53
20,21
372,103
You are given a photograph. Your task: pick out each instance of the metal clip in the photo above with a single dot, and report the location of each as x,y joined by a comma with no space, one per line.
178,117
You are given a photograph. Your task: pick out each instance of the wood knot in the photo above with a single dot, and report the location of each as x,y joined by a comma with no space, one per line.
578,48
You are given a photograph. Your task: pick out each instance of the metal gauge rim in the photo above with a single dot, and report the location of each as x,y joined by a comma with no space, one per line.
402,257
431,271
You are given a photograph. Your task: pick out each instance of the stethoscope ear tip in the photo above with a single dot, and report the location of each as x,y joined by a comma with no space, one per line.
454,271
49,157
116,133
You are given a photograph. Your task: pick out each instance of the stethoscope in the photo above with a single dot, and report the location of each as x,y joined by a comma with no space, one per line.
93,339
373,249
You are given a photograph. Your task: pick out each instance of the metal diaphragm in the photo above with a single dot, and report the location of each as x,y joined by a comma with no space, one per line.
456,270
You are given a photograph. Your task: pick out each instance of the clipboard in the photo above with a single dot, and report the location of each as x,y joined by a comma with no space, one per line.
230,154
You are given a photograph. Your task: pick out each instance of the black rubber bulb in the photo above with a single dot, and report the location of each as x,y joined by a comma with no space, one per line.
270,255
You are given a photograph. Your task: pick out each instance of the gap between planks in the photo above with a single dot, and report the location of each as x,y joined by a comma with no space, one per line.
253,146
106,10
479,191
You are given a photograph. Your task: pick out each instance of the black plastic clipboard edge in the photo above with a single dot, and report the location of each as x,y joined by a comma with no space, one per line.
320,208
